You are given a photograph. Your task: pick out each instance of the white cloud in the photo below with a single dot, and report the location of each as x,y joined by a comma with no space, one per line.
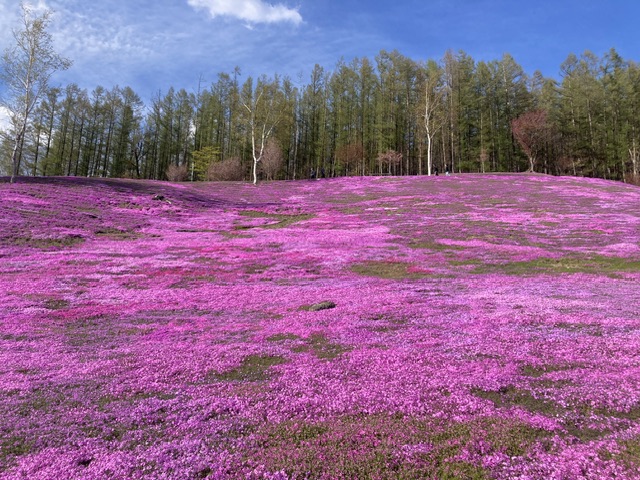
5,120
252,11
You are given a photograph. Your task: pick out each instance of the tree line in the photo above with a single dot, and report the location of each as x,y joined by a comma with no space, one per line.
390,115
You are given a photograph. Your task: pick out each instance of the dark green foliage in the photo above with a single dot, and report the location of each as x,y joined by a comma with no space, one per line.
344,118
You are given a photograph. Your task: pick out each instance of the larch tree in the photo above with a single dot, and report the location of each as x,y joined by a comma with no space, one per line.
314,112
27,67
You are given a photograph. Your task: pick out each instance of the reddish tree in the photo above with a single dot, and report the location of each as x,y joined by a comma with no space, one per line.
390,159
348,156
229,169
533,133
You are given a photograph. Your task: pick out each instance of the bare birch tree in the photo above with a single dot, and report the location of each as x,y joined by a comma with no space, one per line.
26,70
634,156
264,108
432,106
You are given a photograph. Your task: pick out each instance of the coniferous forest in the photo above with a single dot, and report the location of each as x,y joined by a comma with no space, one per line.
390,115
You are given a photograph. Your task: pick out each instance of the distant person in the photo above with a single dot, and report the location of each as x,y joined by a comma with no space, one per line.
435,171
322,173
312,174
446,170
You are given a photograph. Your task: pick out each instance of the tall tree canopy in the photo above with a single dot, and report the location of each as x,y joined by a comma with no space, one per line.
452,113
27,67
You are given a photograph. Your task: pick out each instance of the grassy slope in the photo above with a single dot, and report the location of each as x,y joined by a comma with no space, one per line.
458,327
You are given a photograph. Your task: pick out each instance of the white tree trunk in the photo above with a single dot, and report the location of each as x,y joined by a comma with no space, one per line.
430,105
429,153
15,155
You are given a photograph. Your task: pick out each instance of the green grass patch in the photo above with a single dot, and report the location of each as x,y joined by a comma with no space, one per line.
537,371
232,235
466,263
56,304
206,260
191,281
196,230
133,398
582,328
511,396
100,330
322,347
116,234
390,270
381,323
49,400
253,368
629,454
256,269
130,206
282,337
596,265
8,337
46,243
280,220
632,414
316,307
434,246
351,211
14,445
353,198
388,446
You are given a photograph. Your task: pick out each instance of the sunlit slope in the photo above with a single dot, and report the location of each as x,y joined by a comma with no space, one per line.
476,326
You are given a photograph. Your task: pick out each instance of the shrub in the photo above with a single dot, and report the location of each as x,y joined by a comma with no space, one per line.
272,160
229,169
177,173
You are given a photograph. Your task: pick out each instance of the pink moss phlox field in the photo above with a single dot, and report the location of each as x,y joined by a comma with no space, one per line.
480,326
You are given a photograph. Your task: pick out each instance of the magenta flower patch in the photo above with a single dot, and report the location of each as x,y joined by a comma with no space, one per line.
447,327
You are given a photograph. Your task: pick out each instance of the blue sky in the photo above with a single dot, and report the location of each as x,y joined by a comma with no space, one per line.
151,45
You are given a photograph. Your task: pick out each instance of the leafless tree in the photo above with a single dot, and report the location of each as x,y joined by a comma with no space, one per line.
229,169
432,116
177,173
391,159
264,111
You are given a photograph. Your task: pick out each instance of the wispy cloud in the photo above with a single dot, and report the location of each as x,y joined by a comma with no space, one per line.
5,119
8,20
252,11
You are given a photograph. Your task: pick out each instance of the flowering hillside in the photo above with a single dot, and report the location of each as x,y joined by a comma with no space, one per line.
427,327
